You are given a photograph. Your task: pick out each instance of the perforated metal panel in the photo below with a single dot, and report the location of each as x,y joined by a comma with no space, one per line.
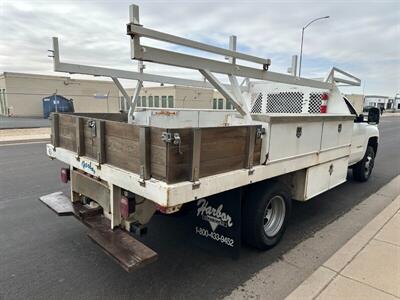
285,102
257,105
269,97
314,103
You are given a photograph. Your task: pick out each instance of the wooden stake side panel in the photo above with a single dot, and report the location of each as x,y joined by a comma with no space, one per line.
222,149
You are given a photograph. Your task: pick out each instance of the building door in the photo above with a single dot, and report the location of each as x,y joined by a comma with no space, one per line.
3,106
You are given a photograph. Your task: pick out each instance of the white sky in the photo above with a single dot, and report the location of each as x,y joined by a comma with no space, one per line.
361,37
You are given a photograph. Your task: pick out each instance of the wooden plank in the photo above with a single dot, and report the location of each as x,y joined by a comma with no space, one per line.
223,148
179,157
67,143
101,155
89,135
80,142
122,130
119,117
120,245
196,150
67,131
66,120
251,139
217,166
55,135
122,153
155,136
257,151
144,152
216,133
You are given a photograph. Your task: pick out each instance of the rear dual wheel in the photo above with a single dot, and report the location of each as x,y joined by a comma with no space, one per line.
266,210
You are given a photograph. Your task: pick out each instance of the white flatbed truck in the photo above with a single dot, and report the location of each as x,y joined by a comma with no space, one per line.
287,138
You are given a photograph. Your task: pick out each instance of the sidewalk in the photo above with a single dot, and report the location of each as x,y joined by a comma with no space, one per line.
12,135
391,114
366,267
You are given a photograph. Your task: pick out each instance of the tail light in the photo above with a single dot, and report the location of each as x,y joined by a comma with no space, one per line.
324,104
127,206
65,175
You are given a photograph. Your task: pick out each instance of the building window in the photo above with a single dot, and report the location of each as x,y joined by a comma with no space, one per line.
138,103
215,103
156,101
144,101
151,104
171,101
220,103
164,101
229,105
2,110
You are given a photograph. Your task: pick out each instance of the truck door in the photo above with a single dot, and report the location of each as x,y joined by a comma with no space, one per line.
357,141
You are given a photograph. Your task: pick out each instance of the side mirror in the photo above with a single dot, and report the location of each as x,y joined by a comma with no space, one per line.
373,115
360,118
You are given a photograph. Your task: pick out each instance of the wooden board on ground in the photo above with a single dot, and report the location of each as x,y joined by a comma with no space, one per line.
59,203
120,245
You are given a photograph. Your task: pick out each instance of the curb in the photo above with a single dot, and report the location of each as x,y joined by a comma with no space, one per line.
281,278
315,284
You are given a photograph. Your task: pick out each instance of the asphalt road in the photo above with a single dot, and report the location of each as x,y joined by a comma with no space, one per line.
22,122
43,256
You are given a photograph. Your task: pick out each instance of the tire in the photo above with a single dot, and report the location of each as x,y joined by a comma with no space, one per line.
266,210
362,170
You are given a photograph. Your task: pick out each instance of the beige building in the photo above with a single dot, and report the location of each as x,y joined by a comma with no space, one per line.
21,94
357,101
180,97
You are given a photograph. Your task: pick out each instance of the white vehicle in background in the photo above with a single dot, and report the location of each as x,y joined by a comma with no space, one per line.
235,171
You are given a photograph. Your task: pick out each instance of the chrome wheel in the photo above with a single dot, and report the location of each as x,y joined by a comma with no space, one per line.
369,164
274,215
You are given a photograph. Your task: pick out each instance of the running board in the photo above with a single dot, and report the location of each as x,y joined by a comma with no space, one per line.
128,252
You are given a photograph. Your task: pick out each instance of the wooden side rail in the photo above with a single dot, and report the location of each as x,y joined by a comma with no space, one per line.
170,155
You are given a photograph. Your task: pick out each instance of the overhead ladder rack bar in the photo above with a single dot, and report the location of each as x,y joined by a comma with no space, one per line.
161,56
141,31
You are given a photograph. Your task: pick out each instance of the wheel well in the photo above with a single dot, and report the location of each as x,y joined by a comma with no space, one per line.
373,142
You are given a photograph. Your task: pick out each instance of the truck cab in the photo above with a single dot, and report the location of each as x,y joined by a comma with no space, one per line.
364,144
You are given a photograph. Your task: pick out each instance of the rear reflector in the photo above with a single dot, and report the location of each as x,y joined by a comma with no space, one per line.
65,175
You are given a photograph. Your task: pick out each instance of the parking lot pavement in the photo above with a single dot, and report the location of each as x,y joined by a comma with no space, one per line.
46,256
22,122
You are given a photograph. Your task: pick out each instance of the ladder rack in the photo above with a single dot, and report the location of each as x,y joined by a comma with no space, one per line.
207,67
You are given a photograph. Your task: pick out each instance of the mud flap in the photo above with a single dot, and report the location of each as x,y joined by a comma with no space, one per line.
216,222
128,252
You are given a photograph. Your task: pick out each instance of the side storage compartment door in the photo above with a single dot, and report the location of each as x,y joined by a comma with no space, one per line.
336,134
325,176
292,139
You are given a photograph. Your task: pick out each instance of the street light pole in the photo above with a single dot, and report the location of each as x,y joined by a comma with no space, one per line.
302,39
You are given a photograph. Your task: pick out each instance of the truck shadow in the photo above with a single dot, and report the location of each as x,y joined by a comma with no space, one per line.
216,276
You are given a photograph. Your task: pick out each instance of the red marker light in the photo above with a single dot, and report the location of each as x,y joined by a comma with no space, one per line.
324,103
